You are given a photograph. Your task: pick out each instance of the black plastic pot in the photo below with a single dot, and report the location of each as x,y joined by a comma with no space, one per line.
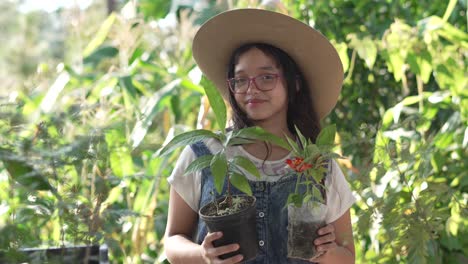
239,228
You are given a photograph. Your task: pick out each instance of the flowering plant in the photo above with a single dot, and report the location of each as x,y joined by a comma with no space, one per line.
310,163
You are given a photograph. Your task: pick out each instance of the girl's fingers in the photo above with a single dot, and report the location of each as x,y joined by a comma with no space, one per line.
326,247
330,237
211,254
218,251
210,237
326,229
207,251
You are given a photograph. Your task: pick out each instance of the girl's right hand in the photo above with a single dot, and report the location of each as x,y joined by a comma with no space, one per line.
211,254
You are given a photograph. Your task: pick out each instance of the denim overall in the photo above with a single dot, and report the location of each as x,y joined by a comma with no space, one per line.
272,214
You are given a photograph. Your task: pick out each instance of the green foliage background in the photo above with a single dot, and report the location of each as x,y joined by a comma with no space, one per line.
87,99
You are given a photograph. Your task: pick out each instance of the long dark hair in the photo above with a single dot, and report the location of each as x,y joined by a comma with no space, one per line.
300,107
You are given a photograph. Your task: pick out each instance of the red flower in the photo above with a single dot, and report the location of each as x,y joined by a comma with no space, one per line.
298,164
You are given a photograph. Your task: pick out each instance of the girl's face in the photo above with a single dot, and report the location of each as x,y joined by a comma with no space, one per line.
261,106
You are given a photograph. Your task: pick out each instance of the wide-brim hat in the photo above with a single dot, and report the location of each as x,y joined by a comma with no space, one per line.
316,57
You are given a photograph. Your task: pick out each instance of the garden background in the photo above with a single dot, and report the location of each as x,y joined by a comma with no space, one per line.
89,94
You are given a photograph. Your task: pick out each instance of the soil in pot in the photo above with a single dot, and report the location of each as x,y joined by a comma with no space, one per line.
303,224
237,227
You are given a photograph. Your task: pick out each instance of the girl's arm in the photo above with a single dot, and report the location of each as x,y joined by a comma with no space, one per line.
337,240
178,246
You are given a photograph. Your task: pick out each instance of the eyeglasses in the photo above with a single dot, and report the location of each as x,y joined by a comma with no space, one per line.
263,82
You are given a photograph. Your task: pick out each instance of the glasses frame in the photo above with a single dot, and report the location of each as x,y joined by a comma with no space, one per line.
253,80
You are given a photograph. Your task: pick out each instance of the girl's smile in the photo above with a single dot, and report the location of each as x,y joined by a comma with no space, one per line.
254,102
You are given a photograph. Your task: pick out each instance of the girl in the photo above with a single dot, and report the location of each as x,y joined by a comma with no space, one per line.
276,73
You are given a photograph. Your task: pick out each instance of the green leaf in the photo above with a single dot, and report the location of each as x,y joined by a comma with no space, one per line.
238,141
295,199
23,173
342,49
149,111
175,107
327,136
100,54
307,198
312,151
219,168
387,118
260,134
409,100
216,102
294,147
240,182
318,174
444,29
154,10
318,193
247,165
187,83
127,83
49,101
449,10
443,140
381,152
186,139
365,47
121,161
302,138
449,76
420,64
396,64
199,164
100,36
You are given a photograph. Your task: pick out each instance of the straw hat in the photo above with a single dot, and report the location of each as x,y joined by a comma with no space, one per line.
318,60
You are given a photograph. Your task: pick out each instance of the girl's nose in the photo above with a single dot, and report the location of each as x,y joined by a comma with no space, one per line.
252,87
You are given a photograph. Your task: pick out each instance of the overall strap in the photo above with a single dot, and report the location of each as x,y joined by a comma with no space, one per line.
200,149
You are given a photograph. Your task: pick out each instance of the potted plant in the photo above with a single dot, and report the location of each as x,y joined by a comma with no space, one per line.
307,204
234,215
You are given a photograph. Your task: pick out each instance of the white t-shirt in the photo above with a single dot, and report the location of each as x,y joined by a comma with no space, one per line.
339,195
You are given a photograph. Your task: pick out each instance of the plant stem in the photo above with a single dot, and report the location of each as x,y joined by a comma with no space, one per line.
298,180
229,193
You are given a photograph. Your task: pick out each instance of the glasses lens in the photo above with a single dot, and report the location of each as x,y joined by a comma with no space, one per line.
266,82
239,85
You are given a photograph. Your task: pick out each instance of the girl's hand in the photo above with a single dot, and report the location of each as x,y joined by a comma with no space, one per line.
326,241
211,254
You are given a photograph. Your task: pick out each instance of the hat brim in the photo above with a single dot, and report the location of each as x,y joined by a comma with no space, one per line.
318,60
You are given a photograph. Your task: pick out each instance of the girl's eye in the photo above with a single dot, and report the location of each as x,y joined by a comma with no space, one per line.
268,77
240,81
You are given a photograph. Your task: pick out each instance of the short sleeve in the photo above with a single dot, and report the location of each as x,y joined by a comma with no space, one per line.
187,186
339,195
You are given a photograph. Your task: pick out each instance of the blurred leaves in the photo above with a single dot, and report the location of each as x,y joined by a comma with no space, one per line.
22,172
87,101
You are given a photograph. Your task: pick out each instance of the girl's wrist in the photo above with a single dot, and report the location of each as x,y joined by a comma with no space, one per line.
200,257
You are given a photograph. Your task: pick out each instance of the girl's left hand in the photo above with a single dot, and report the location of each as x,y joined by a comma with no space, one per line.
326,240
